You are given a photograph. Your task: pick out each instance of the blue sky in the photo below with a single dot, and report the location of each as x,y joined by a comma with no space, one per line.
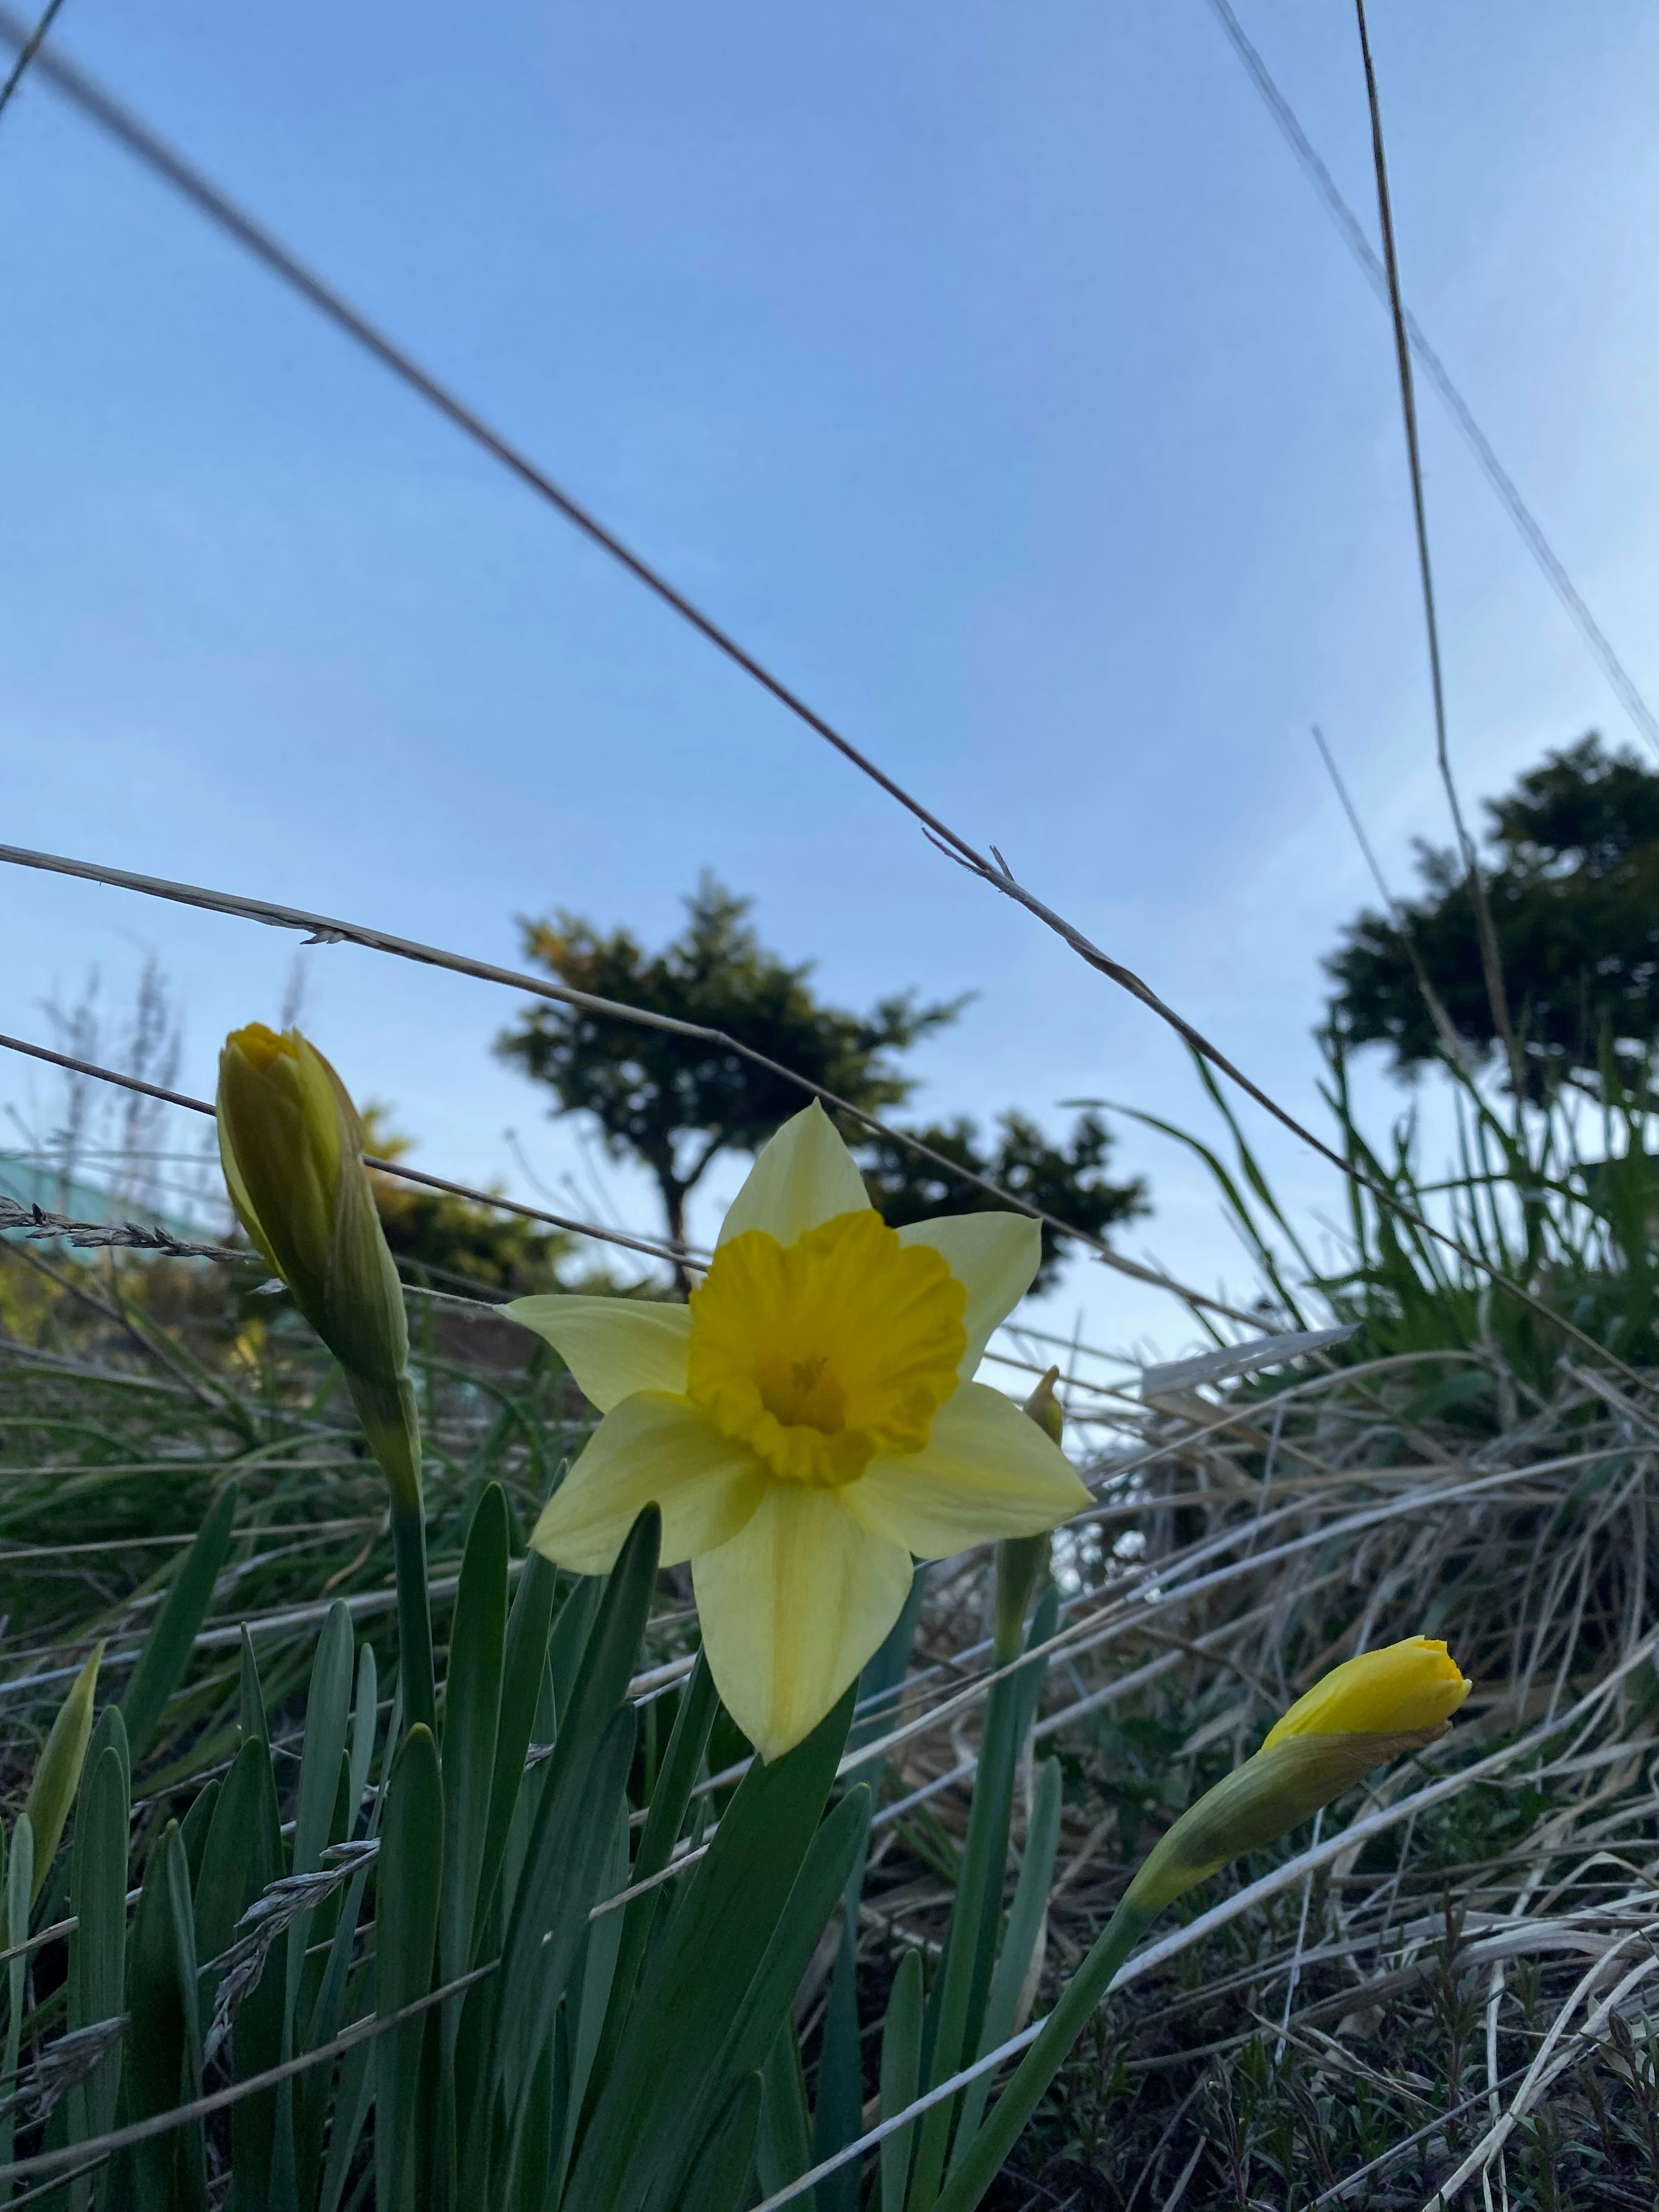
992,371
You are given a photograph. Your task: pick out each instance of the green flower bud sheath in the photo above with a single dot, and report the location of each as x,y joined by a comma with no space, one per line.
1402,1698
291,1143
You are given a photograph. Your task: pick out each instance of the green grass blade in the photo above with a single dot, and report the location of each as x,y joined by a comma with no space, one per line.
719,2173
167,2173
820,1884
246,1828
57,1775
523,1663
1026,1923
782,2149
408,1880
695,1984
560,1885
251,1696
472,1697
900,2075
957,2007
98,1948
166,1654
687,1743
19,1890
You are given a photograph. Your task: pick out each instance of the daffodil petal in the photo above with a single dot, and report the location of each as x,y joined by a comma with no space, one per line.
791,1610
803,1177
653,1451
986,1470
994,1256
613,1346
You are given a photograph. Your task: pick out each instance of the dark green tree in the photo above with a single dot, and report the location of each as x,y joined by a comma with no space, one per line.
1573,882
1066,1181
673,1102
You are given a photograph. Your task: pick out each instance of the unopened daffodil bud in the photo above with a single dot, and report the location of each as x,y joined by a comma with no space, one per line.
1363,1713
1045,1409
1023,1561
291,1145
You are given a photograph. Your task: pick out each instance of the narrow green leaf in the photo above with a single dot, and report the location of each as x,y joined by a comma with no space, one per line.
597,1697
472,1697
58,1776
572,1628
166,1654
719,2173
246,1828
547,2104
365,1724
816,1888
354,2094
1026,1917
558,1888
110,1734
696,1983
956,2010
327,1708
594,1986
686,1745
228,1883
19,1890
98,1948
252,1696
782,2152
195,1826
408,1881
522,1667
900,2070
167,2173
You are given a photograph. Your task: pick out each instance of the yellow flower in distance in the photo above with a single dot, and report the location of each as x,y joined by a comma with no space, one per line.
1363,1713
806,1424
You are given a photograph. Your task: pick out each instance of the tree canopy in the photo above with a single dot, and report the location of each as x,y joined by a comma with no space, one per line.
675,1103
1573,883
1066,1181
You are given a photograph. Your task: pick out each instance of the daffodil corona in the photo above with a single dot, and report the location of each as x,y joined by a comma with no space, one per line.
808,1423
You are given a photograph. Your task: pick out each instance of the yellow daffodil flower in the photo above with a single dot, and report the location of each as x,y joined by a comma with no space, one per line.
806,1424
1368,1711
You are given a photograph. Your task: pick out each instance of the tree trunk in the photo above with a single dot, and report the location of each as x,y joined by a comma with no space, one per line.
673,1205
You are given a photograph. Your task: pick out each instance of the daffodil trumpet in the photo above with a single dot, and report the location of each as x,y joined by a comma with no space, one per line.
808,1423
291,1146
1370,1710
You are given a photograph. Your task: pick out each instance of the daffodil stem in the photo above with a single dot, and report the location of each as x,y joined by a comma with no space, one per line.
977,2167
414,1615
1021,1561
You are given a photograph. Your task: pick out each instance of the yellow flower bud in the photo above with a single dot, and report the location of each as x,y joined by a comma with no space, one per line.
291,1146
1045,1409
1414,1685
1367,1712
